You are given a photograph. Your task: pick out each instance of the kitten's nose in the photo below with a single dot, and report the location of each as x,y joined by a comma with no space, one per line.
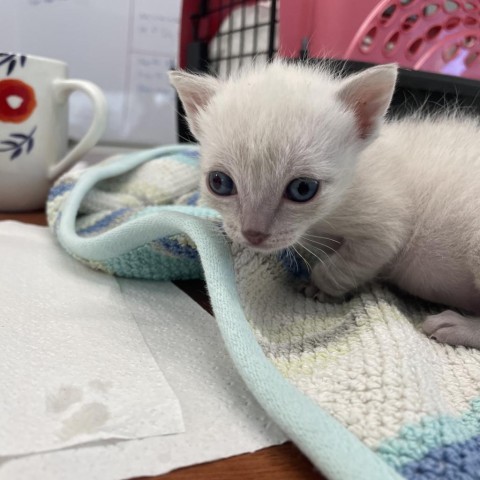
254,237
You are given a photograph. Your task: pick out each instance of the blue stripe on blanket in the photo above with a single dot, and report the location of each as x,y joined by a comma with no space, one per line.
413,443
460,461
60,189
177,249
193,200
104,222
188,157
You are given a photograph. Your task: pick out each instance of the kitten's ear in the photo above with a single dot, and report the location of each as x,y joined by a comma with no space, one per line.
369,94
195,91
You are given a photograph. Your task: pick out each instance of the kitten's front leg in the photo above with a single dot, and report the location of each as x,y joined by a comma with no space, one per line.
355,263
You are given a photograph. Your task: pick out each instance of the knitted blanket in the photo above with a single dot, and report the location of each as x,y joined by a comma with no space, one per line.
355,385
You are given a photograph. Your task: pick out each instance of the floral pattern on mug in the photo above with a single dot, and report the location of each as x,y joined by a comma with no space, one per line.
17,143
11,60
11,89
17,103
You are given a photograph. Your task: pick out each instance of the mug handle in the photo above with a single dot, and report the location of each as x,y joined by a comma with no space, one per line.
62,89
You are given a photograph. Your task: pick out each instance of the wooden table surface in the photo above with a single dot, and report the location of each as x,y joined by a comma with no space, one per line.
284,462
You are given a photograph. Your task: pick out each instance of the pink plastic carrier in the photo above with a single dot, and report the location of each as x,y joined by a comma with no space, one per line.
441,36
438,36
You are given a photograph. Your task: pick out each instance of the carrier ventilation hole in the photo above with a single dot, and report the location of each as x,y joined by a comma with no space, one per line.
470,41
387,14
430,10
470,58
404,3
450,53
415,46
452,23
409,22
391,43
433,32
468,6
469,21
450,6
368,39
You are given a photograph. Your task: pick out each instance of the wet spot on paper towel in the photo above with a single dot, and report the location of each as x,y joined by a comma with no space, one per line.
64,398
88,419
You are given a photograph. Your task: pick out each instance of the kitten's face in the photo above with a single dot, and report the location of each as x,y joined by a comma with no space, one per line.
278,153
272,172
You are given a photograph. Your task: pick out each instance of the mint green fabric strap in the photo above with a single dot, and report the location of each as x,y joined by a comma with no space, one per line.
328,444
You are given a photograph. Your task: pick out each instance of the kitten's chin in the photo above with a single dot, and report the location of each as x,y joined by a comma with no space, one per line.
262,249
267,249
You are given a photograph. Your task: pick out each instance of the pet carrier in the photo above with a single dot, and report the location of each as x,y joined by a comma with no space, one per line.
435,42
429,35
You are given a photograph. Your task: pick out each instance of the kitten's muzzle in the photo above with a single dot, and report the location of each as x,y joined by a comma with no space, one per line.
254,237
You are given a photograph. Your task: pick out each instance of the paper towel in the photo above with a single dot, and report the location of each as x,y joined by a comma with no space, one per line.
74,367
221,417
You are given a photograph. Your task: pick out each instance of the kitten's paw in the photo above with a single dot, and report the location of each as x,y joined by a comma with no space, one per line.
308,289
311,291
454,329
322,297
325,282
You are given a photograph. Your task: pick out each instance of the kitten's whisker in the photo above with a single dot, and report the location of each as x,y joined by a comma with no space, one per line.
309,267
330,258
309,251
318,258
308,240
322,262
292,256
288,257
354,280
309,235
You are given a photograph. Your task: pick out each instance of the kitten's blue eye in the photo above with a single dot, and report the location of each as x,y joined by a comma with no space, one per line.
302,189
221,184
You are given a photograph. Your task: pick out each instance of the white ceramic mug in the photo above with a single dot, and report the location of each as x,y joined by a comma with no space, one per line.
34,127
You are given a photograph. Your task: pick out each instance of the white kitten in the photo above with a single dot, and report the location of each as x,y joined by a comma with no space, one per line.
292,155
